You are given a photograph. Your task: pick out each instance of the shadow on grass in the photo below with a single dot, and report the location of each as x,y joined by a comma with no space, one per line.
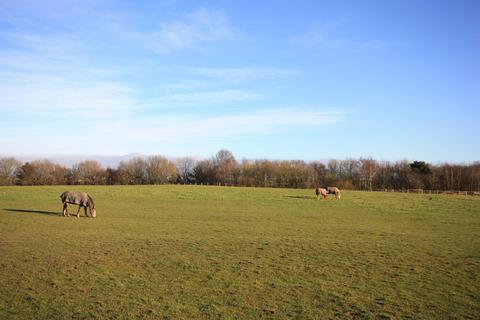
302,197
50,213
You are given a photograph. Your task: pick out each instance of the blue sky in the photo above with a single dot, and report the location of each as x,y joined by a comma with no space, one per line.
265,79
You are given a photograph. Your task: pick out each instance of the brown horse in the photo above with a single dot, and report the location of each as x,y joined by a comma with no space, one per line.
322,192
81,199
335,191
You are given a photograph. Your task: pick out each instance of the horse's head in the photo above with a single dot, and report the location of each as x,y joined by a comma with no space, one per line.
91,205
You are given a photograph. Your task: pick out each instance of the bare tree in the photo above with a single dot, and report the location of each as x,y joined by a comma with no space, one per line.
365,173
319,173
41,172
133,171
112,176
60,174
349,173
332,178
160,170
368,168
204,172
225,167
383,177
185,167
88,172
265,173
8,170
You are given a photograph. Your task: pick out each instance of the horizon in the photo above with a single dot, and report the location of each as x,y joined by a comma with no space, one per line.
112,161
307,81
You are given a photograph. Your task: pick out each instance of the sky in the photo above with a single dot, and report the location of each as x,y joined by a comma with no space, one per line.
305,80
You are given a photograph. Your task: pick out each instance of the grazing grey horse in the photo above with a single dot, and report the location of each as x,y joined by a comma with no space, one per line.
79,198
334,190
321,191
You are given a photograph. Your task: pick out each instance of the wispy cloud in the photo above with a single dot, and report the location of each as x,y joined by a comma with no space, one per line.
35,52
335,34
158,132
196,30
187,127
61,98
203,98
50,75
242,74
59,86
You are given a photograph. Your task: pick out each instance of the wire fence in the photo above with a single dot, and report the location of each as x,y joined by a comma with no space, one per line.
424,191
447,192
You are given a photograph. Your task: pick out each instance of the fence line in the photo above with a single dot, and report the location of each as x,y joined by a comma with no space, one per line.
450,192
422,191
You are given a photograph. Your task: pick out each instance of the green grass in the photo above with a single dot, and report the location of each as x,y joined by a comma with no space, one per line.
191,252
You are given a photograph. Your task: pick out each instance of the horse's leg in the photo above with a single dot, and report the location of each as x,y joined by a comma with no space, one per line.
78,212
85,211
66,210
65,205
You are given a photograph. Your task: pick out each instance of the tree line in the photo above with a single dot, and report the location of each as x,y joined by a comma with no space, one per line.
224,169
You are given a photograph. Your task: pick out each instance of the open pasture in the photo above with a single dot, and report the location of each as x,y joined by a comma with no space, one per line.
193,252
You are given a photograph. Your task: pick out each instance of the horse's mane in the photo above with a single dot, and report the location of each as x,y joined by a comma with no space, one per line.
90,202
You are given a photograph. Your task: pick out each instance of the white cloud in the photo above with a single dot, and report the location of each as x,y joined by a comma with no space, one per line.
202,99
160,131
335,34
44,76
196,30
31,84
241,74
52,89
322,37
65,98
172,127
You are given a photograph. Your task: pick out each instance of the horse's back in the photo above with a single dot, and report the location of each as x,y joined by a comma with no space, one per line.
332,189
320,191
75,197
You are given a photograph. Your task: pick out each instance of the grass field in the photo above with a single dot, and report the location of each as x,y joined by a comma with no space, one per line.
192,252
